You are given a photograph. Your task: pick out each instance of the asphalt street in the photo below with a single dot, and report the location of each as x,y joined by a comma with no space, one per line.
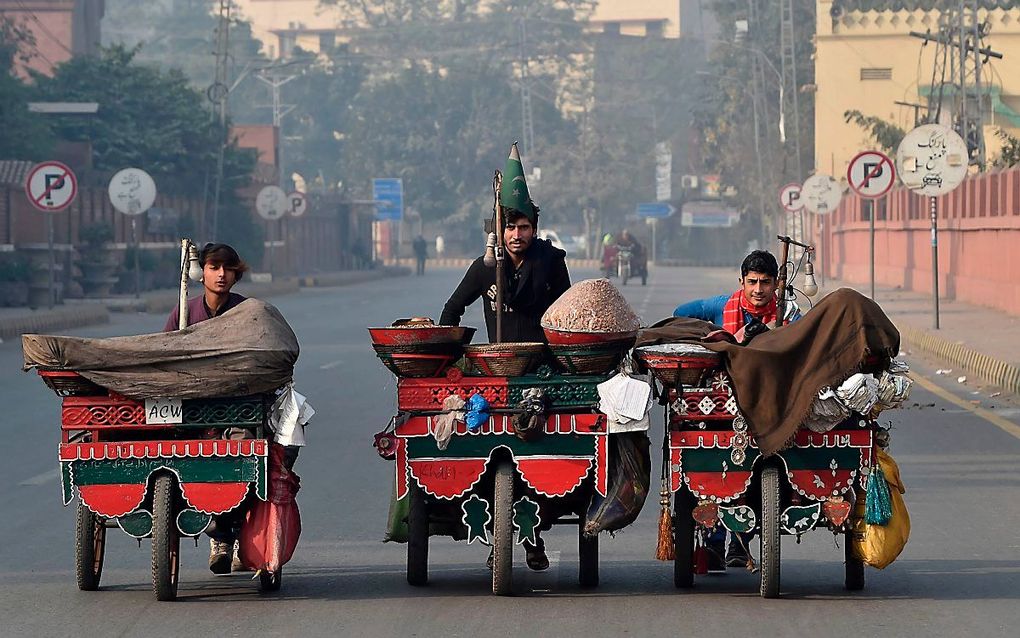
959,575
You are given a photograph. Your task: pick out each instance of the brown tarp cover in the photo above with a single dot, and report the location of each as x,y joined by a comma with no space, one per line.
247,350
777,376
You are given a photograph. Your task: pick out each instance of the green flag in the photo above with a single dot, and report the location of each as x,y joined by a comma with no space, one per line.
514,192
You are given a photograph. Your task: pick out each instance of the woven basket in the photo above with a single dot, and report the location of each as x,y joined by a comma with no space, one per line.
417,365
503,359
684,363
600,358
70,384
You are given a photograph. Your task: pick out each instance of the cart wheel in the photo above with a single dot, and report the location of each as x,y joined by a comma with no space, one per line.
90,547
770,532
503,530
683,539
417,537
854,580
270,582
588,557
165,541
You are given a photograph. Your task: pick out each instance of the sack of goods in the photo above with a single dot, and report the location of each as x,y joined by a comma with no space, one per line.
592,305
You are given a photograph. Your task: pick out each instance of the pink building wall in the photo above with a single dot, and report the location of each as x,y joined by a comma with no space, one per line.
979,241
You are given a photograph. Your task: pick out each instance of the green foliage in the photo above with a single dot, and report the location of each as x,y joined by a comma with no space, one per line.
96,234
1010,153
25,135
14,268
887,136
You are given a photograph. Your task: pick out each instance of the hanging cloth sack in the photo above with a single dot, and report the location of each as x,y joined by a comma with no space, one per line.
879,545
272,527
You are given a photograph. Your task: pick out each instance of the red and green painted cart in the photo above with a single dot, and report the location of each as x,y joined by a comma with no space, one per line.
491,486
157,468
718,476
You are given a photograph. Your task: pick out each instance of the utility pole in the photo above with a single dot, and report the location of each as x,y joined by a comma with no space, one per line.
756,102
960,41
788,68
274,82
218,93
528,129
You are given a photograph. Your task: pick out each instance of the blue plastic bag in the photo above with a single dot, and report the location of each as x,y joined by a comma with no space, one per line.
478,412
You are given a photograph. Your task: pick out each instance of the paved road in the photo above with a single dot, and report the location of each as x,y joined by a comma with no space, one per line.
960,574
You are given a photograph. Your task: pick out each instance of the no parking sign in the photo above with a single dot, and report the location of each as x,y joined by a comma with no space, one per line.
51,186
871,174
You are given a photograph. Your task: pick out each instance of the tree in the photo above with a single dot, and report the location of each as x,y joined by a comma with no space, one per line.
1010,153
156,121
26,135
887,136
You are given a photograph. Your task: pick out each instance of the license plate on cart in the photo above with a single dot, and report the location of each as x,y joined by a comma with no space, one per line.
164,411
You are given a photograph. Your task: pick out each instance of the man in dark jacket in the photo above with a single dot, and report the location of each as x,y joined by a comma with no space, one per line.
536,272
536,275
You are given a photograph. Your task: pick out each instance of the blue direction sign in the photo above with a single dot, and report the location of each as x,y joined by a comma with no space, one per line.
655,209
388,194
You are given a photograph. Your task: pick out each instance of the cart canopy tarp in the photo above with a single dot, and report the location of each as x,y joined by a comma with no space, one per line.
777,376
248,350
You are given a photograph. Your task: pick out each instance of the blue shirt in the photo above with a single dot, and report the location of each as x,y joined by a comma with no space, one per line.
711,309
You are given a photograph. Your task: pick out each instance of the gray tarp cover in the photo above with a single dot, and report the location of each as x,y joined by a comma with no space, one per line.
248,350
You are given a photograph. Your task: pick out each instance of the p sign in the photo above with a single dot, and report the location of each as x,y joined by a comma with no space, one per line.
51,186
789,197
871,174
297,203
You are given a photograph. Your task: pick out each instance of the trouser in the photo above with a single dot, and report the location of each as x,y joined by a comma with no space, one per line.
421,266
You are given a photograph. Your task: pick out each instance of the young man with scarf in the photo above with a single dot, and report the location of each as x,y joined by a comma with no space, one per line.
754,304
536,276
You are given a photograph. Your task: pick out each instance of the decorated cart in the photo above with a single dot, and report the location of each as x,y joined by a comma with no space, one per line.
813,389
536,453
156,469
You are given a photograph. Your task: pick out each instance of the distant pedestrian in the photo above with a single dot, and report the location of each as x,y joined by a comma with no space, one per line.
440,245
421,251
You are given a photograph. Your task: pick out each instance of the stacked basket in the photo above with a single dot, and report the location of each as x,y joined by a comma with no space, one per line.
590,328
418,348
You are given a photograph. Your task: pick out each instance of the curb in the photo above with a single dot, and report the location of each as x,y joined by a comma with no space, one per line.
346,278
464,262
51,320
988,368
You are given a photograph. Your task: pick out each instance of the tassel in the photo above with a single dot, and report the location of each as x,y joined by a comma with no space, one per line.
878,502
664,549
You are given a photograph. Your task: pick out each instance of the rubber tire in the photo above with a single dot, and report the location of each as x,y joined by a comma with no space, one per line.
166,544
854,578
588,558
503,530
90,548
770,536
270,582
417,537
683,539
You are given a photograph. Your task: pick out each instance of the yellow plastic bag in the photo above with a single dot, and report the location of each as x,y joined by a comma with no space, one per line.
879,545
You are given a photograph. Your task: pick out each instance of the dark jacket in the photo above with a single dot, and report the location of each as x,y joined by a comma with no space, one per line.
528,293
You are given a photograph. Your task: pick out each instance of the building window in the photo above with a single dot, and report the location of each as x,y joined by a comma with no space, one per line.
654,29
611,28
876,74
327,42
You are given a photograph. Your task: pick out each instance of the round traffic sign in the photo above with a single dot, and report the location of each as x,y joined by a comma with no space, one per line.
297,203
271,203
132,191
789,197
871,174
821,194
932,159
51,186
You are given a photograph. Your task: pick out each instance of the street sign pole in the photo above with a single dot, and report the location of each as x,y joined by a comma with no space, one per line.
935,258
871,239
51,283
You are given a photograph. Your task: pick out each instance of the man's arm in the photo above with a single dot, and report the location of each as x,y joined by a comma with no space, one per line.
173,321
710,309
469,290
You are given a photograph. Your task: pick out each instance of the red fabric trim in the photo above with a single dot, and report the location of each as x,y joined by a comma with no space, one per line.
733,312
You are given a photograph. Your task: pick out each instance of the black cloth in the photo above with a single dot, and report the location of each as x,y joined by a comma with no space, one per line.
528,293
420,248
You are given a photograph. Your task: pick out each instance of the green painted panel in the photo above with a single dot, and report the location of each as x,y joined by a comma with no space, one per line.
480,446
247,412
579,391
820,458
712,459
192,522
137,524
191,470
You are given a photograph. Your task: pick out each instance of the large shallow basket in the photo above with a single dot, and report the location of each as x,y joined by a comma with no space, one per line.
684,363
556,337
424,333
591,358
419,359
70,384
503,359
